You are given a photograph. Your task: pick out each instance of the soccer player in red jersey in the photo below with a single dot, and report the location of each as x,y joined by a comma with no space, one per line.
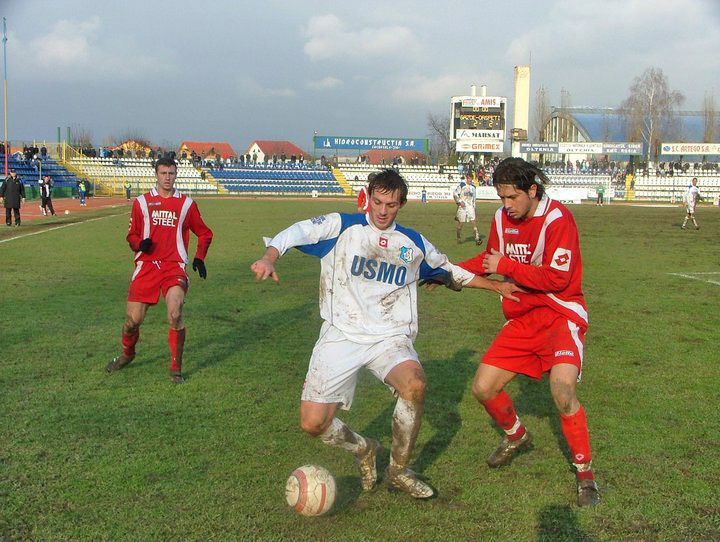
363,201
534,243
160,223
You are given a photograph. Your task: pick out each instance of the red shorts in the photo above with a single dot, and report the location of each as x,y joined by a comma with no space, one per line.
535,342
152,278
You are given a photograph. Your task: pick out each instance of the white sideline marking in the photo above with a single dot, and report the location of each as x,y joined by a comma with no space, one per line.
694,276
55,228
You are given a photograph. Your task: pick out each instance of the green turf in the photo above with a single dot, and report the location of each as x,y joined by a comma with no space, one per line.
87,456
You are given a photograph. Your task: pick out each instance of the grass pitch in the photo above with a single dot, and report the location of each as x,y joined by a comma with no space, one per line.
90,456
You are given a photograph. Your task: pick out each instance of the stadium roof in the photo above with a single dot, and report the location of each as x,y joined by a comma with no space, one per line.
611,124
270,147
207,148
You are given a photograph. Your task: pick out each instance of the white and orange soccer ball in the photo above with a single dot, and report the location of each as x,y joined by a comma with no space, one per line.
310,490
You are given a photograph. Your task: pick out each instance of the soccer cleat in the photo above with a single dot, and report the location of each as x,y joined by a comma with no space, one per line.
367,464
508,449
177,378
588,493
478,241
406,480
118,363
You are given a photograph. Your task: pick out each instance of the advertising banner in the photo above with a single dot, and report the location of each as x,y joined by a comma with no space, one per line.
582,148
690,148
371,143
475,146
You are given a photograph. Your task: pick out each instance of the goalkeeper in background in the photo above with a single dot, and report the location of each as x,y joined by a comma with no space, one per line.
160,225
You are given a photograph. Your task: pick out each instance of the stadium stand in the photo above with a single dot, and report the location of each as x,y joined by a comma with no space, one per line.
30,171
432,178
110,174
277,179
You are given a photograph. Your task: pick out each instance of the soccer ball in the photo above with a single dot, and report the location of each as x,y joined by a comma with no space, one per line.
67,212
310,490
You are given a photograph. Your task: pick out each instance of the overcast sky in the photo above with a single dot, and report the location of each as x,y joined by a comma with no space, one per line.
242,70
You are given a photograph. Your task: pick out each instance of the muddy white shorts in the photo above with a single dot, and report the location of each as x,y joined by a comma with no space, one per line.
465,214
336,362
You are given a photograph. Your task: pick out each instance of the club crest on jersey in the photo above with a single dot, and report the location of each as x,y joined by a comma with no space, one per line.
561,259
318,220
383,242
406,254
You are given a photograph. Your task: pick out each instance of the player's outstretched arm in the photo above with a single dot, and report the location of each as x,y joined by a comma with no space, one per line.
265,266
505,289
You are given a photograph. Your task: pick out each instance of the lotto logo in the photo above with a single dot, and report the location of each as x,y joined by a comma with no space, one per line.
561,259
383,242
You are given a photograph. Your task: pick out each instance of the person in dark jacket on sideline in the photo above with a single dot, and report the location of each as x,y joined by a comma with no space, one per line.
12,194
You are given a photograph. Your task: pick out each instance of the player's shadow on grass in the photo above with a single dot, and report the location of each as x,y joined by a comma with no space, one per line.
234,334
446,385
534,398
559,522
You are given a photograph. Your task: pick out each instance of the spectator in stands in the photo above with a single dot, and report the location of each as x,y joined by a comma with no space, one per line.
12,193
43,151
2,148
46,196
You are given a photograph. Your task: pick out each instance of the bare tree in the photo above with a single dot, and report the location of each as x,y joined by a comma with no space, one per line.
81,137
439,135
135,134
542,112
709,116
650,109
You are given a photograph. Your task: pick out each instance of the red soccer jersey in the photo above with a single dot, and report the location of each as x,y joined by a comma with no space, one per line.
167,221
541,254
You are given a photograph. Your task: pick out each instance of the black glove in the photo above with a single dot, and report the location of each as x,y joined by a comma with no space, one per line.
146,245
446,281
199,266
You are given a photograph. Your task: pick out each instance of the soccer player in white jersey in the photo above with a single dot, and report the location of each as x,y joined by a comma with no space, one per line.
464,196
692,196
370,266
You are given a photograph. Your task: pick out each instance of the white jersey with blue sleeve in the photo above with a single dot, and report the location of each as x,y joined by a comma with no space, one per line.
368,277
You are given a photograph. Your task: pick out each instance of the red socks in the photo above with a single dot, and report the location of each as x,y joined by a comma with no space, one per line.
176,341
128,344
575,429
502,411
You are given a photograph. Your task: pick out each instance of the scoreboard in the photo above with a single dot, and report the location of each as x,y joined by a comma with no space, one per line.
478,122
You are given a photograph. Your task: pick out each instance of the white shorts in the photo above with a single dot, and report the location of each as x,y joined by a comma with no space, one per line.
690,209
336,362
465,214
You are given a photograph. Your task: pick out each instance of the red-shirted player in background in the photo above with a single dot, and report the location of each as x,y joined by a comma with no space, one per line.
363,200
534,243
160,223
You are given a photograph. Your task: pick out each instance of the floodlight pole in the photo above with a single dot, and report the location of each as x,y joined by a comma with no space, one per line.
5,94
